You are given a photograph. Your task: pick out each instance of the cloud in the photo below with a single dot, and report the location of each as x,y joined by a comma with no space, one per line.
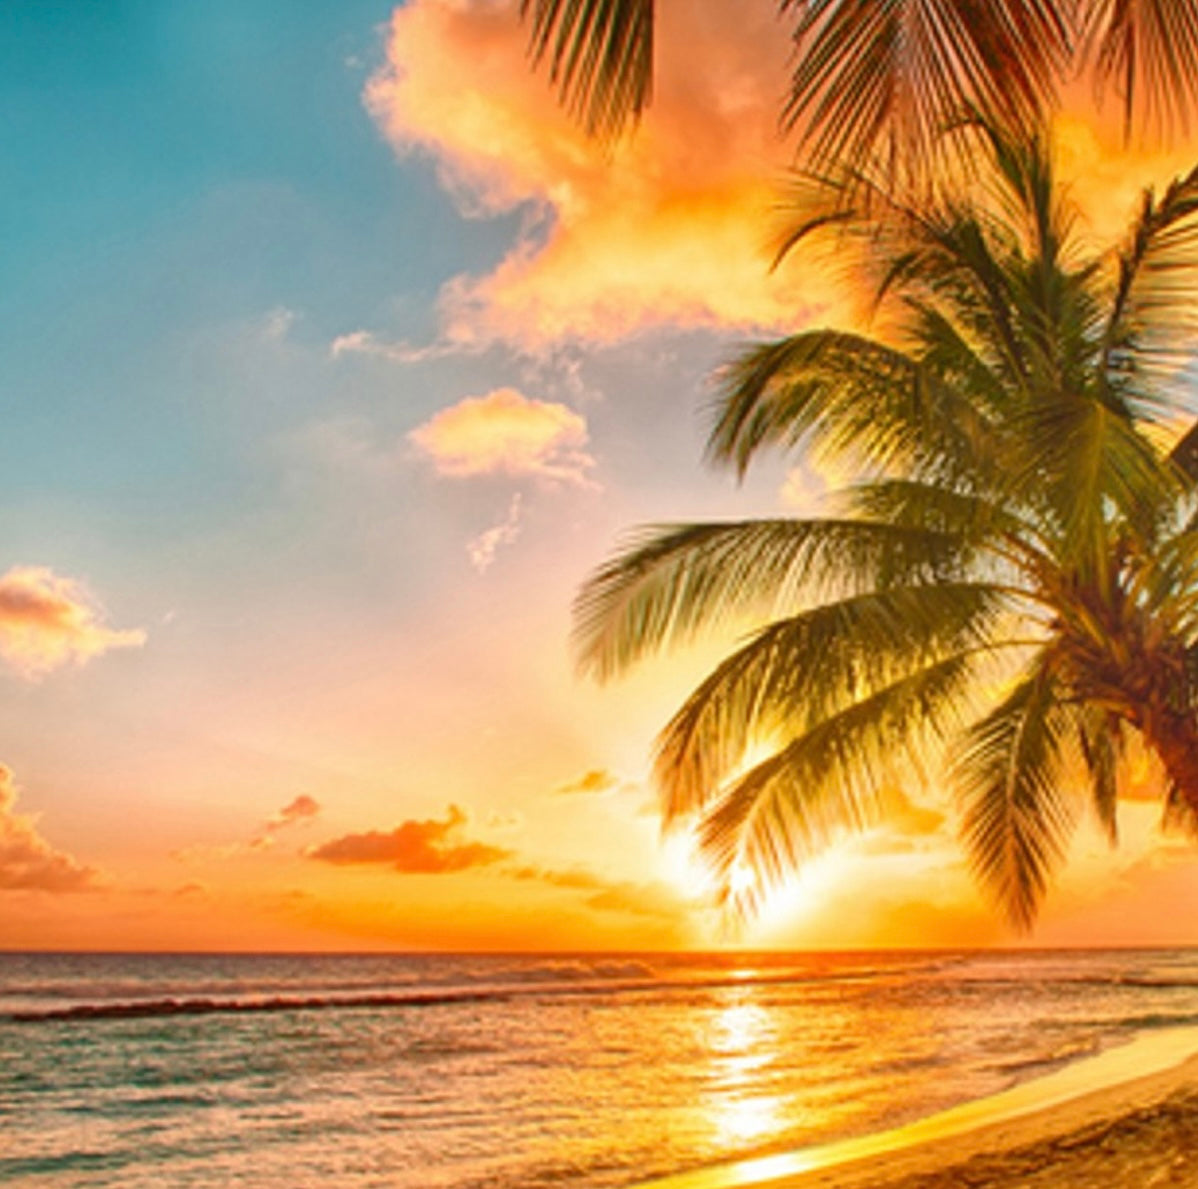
654,899
597,780
303,809
27,860
47,621
431,847
200,853
903,816
193,890
363,342
574,878
669,228
277,324
506,433
482,548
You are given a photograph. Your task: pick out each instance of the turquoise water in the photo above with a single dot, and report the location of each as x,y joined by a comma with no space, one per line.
523,1072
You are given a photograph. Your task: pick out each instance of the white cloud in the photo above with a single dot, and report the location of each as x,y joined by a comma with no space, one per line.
278,323
365,342
482,549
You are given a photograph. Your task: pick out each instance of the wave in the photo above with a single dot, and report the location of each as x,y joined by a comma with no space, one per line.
135,1009
550,980
562,981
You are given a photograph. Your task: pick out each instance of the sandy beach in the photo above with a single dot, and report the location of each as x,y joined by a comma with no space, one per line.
1134,1132
1136,1135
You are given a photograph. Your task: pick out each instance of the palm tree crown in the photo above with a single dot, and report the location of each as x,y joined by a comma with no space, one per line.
1008,596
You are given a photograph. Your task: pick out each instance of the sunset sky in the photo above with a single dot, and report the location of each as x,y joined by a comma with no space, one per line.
333,357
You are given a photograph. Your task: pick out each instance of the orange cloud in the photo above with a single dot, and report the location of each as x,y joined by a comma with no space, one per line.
47,621
654,899
303,808
27,860
506,433
670,228
415,847
573,878
597,780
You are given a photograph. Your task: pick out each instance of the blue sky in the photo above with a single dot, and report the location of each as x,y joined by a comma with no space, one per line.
200,205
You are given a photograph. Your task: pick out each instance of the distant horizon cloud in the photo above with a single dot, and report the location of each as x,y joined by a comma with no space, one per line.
430,847
596,780
301,809
652,899
28,862
670,228
47,621
505,432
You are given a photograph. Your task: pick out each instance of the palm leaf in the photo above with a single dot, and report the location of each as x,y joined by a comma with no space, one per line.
1101,742
674,581
600,55
821,382
1153,318
879,79
1149,50
1088,462
801,670
1016,819
827,779
848,398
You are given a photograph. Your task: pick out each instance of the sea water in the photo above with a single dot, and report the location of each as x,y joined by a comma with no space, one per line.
519,1072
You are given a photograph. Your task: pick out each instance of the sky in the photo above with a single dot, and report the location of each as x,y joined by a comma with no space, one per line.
333,357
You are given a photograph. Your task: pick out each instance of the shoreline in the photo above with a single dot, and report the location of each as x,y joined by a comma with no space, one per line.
1142,1095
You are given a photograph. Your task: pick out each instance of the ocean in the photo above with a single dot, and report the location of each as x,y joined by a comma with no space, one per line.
520,1072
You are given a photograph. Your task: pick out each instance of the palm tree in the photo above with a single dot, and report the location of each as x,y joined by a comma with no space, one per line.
886,75
1009,594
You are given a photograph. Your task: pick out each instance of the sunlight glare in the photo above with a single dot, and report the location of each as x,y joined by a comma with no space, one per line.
741,1043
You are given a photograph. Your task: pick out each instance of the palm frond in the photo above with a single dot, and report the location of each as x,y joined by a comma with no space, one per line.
975,518
1089,462
847,398
600,55
1154,313
1148,49
675,580
1016,818
1184,454
879,79
1101,742
827,779
832,384
801,670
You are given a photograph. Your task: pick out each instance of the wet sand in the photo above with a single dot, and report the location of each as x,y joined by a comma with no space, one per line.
1136,1130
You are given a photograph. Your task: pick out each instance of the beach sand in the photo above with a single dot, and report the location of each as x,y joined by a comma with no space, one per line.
1136,1130
1137,1135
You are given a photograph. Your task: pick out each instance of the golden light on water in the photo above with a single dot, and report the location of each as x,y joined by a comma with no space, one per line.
741,1045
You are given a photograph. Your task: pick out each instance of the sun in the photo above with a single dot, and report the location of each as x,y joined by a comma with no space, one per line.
742,879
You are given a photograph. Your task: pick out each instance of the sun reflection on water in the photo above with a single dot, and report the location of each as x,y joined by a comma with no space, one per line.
741,1044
